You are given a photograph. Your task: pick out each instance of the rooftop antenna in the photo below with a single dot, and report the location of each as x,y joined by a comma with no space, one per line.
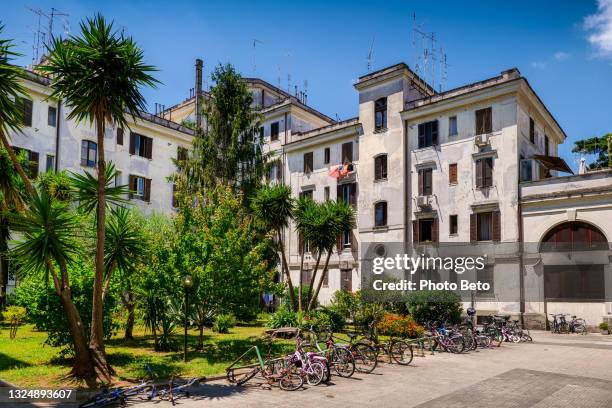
54,13
39,36
430,61
371,54
305,93
255,42
288,55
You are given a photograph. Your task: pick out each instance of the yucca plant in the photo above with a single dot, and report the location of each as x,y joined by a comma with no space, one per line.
98,74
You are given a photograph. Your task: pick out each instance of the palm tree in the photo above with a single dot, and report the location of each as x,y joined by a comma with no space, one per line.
48,245
341,218
99,74
124,243
11,117
273,206
307,217
12,199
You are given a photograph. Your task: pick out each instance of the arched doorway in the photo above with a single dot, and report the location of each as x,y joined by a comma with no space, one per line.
574,277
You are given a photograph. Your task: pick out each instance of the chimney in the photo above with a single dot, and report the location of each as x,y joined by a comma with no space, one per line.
198,93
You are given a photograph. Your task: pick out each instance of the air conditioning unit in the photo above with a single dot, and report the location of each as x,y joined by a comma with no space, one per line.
480,140
423,201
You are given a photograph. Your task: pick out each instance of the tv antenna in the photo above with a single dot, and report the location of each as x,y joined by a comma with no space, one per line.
255,42
44,39
430,60
371,54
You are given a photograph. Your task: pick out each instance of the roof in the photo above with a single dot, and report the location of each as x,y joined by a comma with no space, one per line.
323,130
402,66
553,163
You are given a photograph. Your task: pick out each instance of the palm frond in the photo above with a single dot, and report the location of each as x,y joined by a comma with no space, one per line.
11,117
85,190
124,241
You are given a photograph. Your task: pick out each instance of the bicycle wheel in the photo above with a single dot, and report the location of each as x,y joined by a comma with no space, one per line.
401,352
315,374
343,361
241,375
564,327
291,380
457,344
365,357
580,328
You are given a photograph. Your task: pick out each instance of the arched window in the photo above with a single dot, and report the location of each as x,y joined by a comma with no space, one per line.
380,114
380,214
574,236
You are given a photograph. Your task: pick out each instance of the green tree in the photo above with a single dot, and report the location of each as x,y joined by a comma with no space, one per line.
49,245
11,116
599,146
273,206
228,150
99,74
338,218
12,199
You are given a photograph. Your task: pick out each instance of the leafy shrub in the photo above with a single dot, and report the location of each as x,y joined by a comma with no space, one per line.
14,314
336,319
395,325
282,318
604,326
224,322
316,319
346,303
433,305
306,291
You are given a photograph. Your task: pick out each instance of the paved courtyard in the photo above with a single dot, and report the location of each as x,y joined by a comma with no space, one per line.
554,371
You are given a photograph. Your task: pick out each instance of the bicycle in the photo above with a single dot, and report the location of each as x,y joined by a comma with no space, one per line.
395,349
176,386
578,325
449,341
338,355
558,324
146,390
311,368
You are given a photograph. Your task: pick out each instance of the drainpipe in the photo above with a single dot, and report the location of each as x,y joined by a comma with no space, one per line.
57,134
519,213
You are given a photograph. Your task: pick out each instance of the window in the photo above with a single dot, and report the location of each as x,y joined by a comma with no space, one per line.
380,114
428,134
425,230
326,193
347,152
327,155
484,172
274,127
325,279
120,136
574,282
52,116
526,170
380,214
531,131
181,153
346,280
452,224
306,276
347,193
425,182
50,164
261,132
308,165
118,178
307,194
31,166
141,145
546,145
484,122
485,275
452,173
452,126
89,153
276,171
140,188
346,239
485,226
574,236
380,167
25,106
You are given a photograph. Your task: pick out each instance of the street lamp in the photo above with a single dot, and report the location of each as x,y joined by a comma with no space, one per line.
187,283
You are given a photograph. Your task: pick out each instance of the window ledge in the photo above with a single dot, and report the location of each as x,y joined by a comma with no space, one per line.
381,180
380,228
381,130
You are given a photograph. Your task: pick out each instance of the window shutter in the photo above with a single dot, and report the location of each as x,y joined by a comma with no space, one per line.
434,132
339,243
421,135
148,148
132,143
147,192
434,230
452,173
353,194
132,185
34,157
488,120
353,241
496,226
27,112
378,168
479,173
473,228
120,136
415,231
384,166
421,175
347,152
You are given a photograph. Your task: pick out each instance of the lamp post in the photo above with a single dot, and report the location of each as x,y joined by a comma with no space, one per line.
187,283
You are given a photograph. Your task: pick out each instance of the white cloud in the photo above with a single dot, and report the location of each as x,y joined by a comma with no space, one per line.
561,55
538,64
600,27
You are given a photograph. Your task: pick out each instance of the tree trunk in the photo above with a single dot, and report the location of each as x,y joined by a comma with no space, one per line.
312,279
129,324
13,156
201,338
300,286
285,266
313,299
96,339
155,343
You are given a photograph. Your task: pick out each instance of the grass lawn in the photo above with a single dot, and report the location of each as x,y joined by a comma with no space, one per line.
26,361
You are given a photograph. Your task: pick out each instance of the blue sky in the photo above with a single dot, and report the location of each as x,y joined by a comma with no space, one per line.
563,47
